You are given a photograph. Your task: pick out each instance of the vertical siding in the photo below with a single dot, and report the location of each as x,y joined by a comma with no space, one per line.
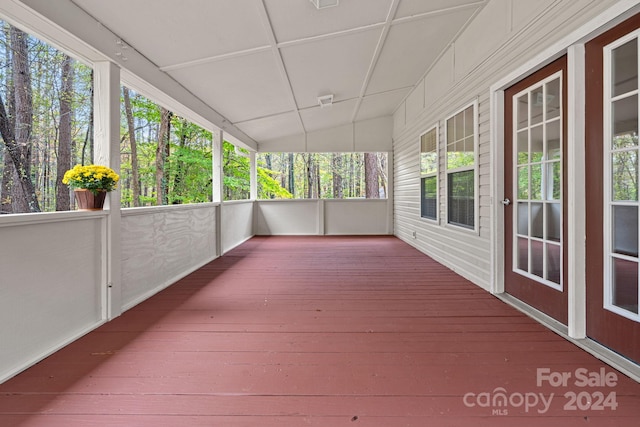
461,76
51,290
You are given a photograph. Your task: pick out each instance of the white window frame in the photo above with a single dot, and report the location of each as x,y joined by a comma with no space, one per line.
475,229
435,128
607,202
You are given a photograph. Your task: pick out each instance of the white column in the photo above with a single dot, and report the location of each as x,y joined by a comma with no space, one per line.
106,121
576,194
253,165
218,176
218,185
390,200
496,121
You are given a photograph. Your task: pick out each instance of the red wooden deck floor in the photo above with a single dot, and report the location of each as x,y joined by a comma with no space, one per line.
320,331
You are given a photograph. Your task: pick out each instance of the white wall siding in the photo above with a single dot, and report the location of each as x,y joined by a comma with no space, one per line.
284,217
356,217
52,288
320,217
237,223
505,34
161,245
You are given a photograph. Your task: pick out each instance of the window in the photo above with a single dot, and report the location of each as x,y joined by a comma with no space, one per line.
461,168
429,174
322,175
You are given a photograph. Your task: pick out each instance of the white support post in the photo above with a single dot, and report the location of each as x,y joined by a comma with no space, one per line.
576,194
390,201
321,217
253,164
218,185
107,152
497,192
218,138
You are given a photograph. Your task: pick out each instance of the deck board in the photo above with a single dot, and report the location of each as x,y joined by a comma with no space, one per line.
313,331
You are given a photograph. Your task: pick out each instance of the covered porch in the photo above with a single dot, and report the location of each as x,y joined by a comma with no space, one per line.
494,283
319,331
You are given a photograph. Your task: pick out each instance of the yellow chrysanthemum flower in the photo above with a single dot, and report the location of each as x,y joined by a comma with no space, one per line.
91,177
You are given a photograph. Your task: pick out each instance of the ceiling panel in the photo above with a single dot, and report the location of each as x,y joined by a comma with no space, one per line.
296,19
169,32
411,48
240,88
337,65
272,127
320,118
256,61
381,104
417,7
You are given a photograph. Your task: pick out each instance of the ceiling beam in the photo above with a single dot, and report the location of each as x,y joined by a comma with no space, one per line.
266,21
216,58
376,55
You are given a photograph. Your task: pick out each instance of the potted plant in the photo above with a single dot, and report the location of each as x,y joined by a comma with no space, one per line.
90,184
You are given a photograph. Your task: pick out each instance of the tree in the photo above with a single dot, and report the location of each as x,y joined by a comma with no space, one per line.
63,201
135,185
88,139
8,171
292,179
371,176
17,141
336,163
162,153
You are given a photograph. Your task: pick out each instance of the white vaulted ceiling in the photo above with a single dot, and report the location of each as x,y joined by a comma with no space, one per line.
261,64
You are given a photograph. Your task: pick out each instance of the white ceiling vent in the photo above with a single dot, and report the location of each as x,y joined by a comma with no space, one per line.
322,4
325,101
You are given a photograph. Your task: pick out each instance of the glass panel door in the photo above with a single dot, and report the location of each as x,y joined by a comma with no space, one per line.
537,136
621,177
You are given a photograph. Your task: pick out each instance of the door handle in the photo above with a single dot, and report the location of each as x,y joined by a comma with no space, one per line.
506,202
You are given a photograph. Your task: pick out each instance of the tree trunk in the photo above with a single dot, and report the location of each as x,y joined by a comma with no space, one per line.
17,141
316,169
352,176
292,177
382,170
284,177
6,205
88,139
135,185
8,172
337,176
268,161
63,201
309,176
371,176
161,157
180,171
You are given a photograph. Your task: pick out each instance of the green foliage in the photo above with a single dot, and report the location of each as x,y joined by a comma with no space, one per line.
269,187
237,172
188,168
317,175
459,159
